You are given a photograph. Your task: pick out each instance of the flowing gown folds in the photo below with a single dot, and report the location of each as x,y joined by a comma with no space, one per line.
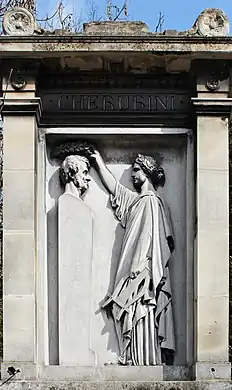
142,306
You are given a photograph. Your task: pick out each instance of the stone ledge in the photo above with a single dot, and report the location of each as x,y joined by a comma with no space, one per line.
31,371
41,47
118,385
209,106
31,106
204,371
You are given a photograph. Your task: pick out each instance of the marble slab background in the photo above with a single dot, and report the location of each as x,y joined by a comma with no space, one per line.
119,152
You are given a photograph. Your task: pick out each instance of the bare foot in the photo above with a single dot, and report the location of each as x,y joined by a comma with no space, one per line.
118,362
112,363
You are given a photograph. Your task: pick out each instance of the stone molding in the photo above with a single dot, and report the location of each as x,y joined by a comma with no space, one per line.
42,46
209,106
21,107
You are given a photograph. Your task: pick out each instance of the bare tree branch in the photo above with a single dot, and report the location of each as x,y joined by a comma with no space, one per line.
92,11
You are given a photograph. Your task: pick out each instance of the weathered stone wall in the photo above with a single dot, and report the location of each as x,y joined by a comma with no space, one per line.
26,331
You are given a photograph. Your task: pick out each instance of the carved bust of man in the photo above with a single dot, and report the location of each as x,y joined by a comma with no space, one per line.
74,174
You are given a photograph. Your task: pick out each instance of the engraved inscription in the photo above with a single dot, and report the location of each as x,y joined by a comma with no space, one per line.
101,102
103,81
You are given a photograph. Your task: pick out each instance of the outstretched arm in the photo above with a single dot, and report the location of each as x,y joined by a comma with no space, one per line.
106,176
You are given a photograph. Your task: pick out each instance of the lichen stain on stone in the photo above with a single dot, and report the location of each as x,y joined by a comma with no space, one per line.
158,386
143,387
142,45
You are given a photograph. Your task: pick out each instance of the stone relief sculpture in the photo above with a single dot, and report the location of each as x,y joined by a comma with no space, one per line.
74,174
141,301
19,21
75,249
212,22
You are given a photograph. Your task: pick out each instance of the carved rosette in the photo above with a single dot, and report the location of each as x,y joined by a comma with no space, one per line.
213,22
18,21
18,82
212,84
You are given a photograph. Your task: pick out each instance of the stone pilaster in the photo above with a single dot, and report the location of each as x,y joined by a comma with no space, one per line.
20,108
213,107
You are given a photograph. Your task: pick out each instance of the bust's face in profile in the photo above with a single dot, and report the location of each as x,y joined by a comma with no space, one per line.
76,169
81,178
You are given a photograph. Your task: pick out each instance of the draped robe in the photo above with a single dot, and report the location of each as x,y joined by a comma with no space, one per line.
142,306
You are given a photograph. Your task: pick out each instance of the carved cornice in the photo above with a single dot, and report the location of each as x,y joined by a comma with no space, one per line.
21,107
212,106
150,37
44,46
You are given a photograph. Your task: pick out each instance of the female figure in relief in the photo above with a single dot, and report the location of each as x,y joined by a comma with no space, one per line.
141,301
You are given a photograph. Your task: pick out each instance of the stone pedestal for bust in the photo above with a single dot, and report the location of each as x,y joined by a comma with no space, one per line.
75,253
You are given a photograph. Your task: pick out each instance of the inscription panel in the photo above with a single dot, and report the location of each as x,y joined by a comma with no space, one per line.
93,102
69,98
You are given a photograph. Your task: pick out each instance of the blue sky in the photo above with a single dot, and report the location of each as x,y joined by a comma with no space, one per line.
179,14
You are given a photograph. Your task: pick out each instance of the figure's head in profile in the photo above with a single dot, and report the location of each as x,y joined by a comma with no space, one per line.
146,168
74,172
